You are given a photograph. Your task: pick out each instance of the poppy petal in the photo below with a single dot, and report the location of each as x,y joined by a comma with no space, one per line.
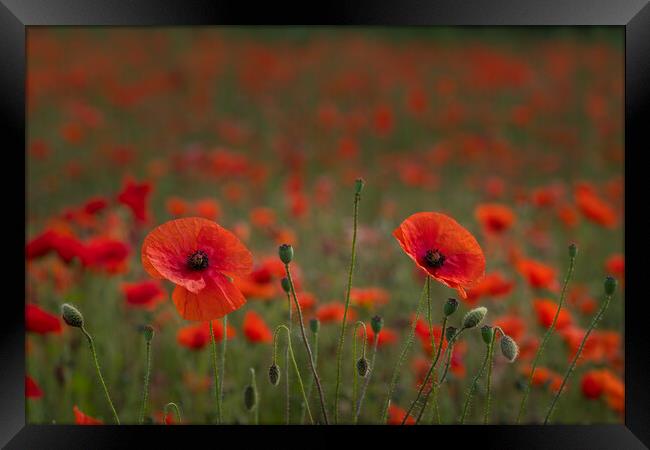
219,297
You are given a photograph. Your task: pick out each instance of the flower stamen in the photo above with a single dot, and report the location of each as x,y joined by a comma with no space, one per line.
434,259
198,260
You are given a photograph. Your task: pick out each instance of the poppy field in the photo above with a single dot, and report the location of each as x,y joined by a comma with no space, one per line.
230,225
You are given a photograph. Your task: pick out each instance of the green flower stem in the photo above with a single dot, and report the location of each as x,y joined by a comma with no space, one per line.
295,365
256,412
99,373
307,347
355,375
402,356
145,390
286,378
222,362
364,388
593,324
448,352
216,373
434,362
547,335
339,350
486,414
176,408
310,386
470,393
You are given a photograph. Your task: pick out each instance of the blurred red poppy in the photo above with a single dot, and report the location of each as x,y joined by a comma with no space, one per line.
32,390
40,321
84,419
255,329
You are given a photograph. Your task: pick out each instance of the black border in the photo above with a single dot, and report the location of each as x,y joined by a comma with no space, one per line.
634,15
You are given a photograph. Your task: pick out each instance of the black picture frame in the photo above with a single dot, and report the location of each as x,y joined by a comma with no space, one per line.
633,16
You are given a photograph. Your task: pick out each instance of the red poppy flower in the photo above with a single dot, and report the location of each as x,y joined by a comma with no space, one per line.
135,196
495,218
491,285
512,325
107,254
32,390
386,336
592,384
442,248
595,209
95,205
145,294
615,265
176,206
333,312
201,258
368,297
195,337
537,274
83,419
255,328
546,310
397,414
208,209
66,246
40,321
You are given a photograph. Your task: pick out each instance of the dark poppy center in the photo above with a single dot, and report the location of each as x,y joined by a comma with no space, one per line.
434,259
197,260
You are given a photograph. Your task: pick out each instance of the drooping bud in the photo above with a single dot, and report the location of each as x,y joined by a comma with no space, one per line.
274,374
286,253
474,317
72,316
376,324
362,367
610,285
358,185
250,397
487,333
509,348
314,325
148,333
449,333
451,305
573,250
286,286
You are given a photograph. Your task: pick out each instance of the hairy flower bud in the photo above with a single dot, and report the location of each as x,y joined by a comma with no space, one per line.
487,333
250,397
358,185
274,374
376,323
573,250
449,333
362,367
286,286
474,317
314,325
509,348
148,333
286,253
72,316
451,305
610,285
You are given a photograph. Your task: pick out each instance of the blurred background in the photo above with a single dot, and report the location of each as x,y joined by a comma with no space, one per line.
517,133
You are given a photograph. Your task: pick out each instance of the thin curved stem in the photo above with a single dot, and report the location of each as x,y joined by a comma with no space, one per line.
287,390
175,406
224,340
216,373
310,386
364,388
145,390
470,393
402,356
428,375
295,366
547,335
307,347
355,375
339,350
486,414
256,413
593,324
99,373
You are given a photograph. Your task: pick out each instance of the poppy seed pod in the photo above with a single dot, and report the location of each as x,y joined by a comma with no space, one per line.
509,348
376,323
487,333
286,253
286,286
148,333
449,333
250,397
474,317
573,250
610,285
358,185
451,305
362,367
72,316
274,374
314,325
